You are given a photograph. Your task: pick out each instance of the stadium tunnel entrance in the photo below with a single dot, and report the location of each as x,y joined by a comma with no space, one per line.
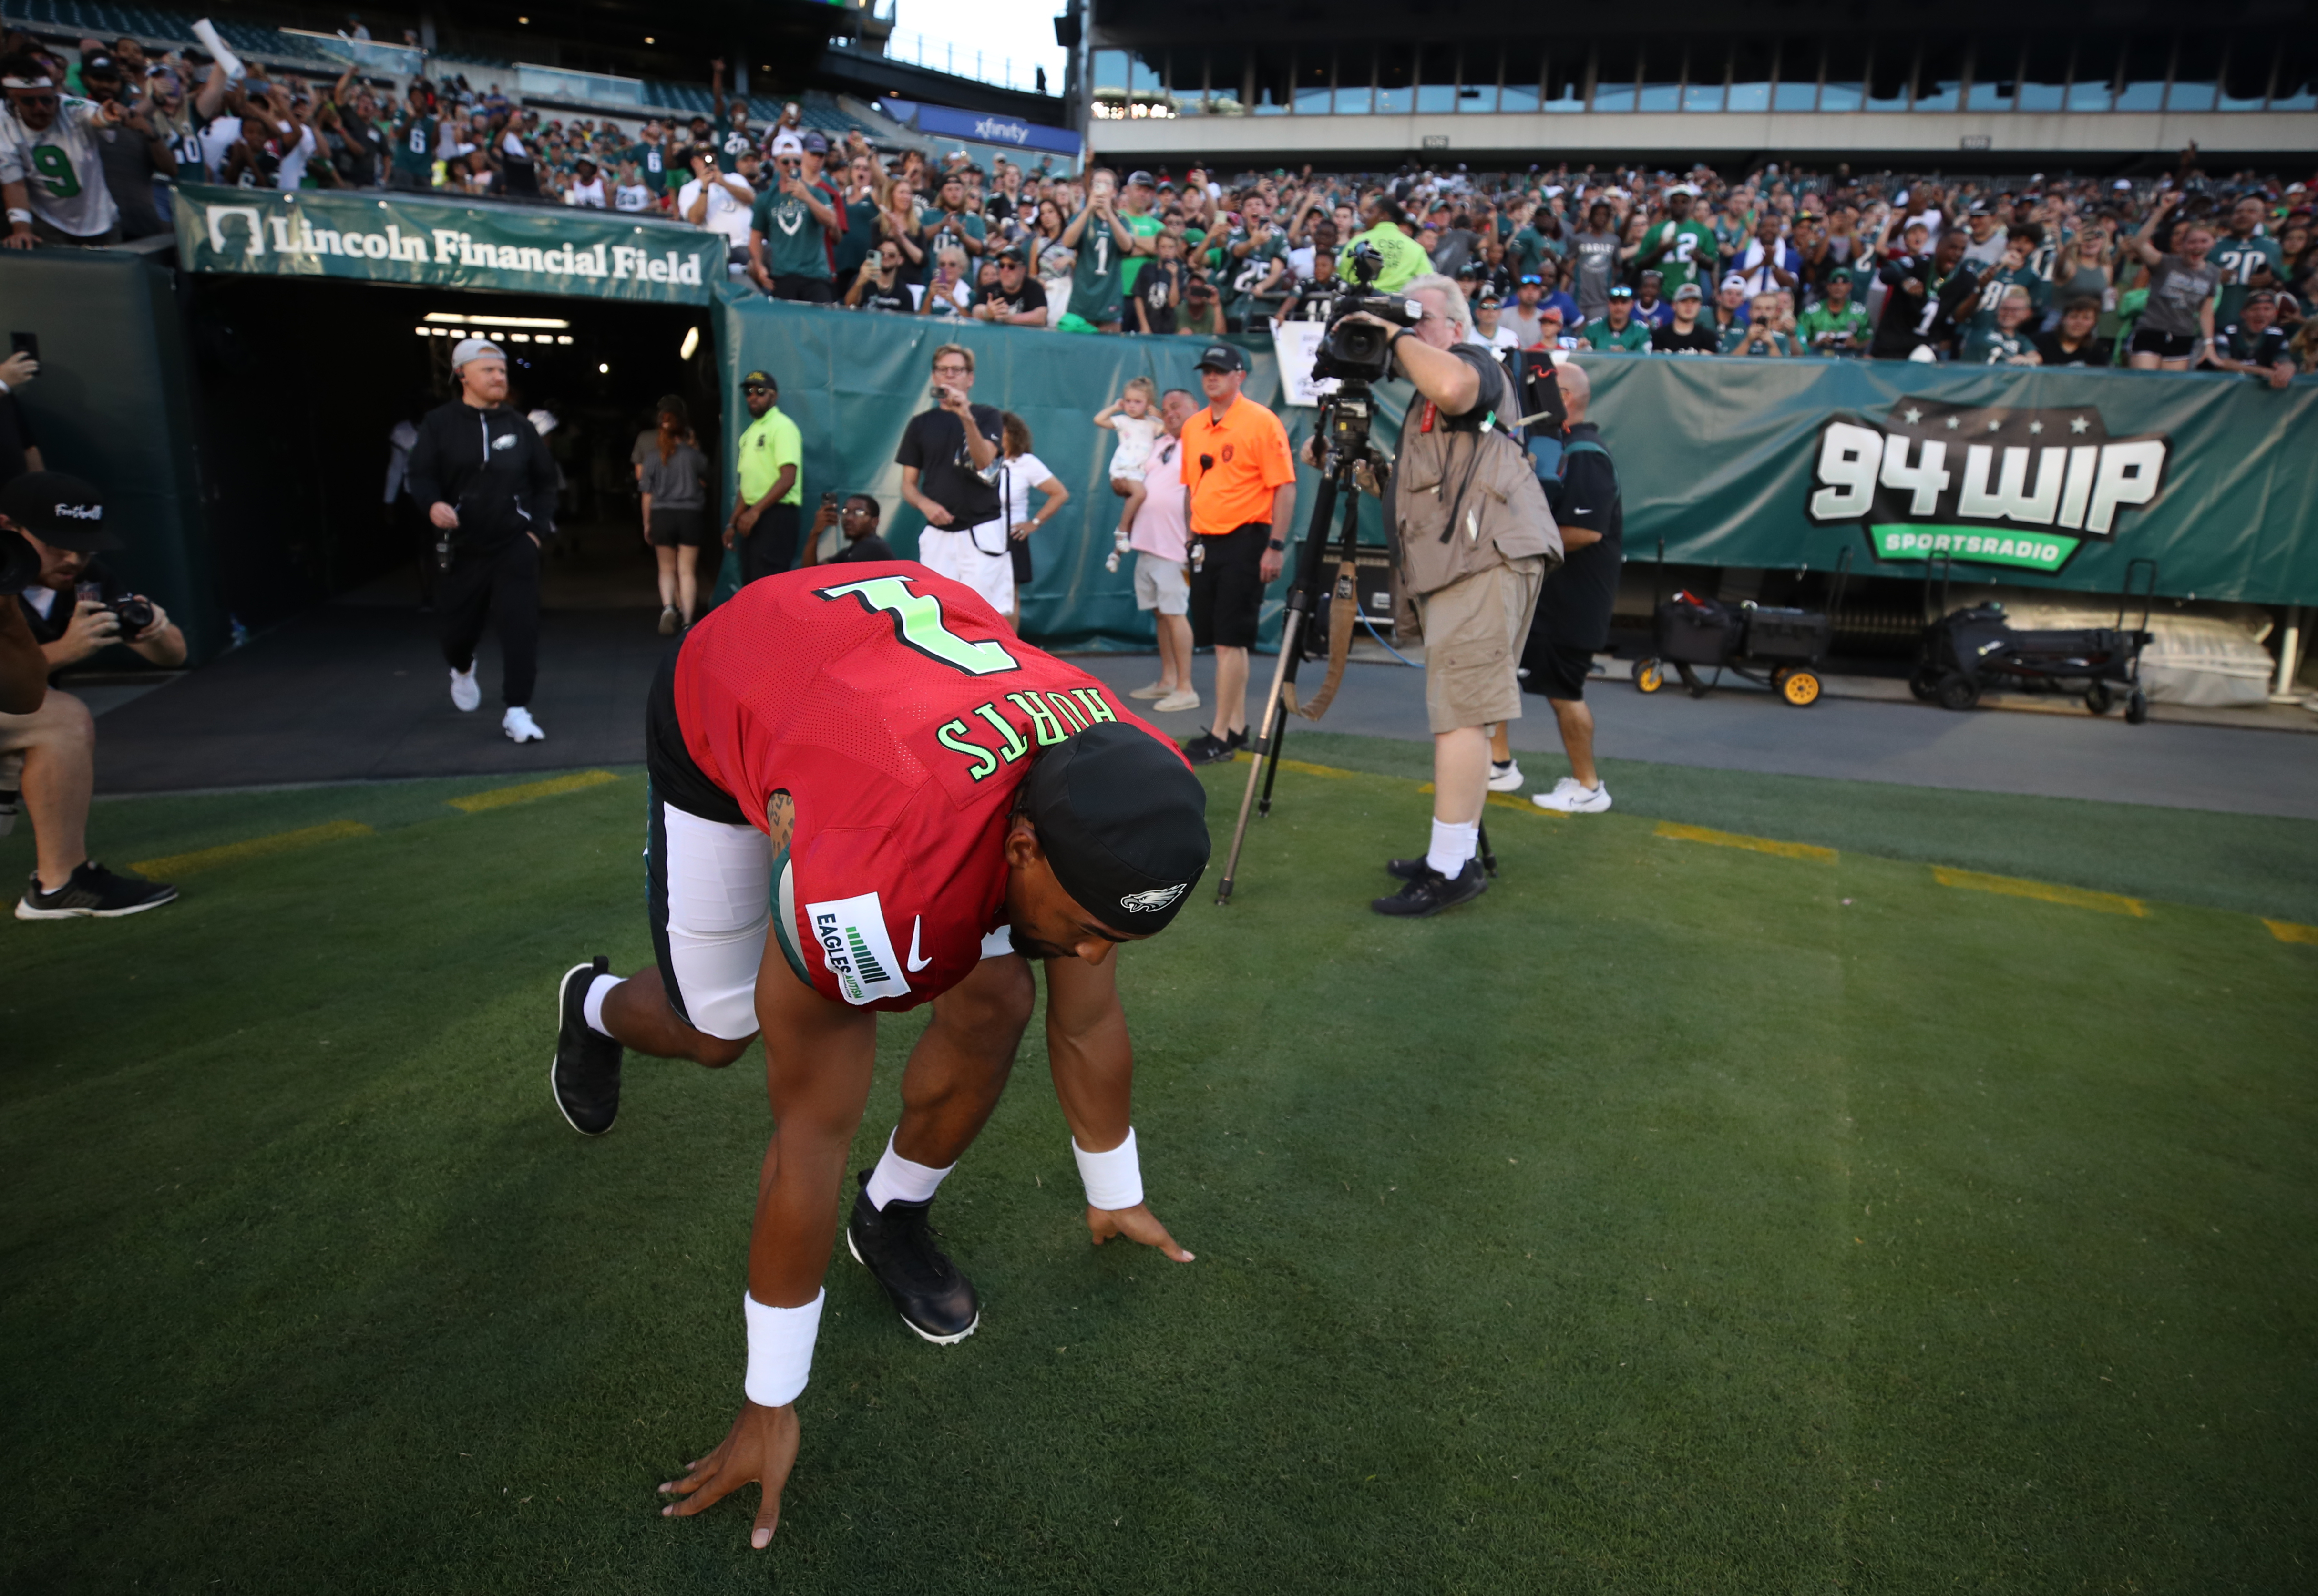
303,381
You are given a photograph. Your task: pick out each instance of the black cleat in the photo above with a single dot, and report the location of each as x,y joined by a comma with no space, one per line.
895,1244
92,892
585,1075
1433,891
1406,869
1208,749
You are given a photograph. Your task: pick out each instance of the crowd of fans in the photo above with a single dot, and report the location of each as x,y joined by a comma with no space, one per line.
2185,272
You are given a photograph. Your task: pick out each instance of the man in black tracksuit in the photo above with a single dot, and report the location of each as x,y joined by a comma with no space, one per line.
487,485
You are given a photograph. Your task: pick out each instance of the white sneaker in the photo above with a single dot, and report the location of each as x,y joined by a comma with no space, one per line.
1505,777
671,619
1186,699
1572,796
1155,690
521,728
466,692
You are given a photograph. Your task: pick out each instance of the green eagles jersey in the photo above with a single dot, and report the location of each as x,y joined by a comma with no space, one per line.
1096,280
794,240
860,233
1979,316
937,222
651,160
1690,253
1634,338
1146,225
1990,347
1822,329
1734,340
414,146
1250,271
2240,261
1527,251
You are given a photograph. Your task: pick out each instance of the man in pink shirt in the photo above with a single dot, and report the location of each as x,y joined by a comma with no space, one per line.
1162,582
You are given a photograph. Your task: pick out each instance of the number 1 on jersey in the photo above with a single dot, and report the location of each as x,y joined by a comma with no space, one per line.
918,625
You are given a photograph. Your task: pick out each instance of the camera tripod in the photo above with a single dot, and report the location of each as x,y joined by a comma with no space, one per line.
1345,447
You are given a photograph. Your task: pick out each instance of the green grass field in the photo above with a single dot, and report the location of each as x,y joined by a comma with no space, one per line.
1682,1217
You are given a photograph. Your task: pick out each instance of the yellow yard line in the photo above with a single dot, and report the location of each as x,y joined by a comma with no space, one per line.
1760,844
231,853
2044,892
1329,771
500,797
2287,931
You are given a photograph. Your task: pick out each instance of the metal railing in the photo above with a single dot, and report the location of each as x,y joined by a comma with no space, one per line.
954,58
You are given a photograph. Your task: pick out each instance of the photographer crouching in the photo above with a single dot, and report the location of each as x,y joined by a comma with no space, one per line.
1474,541
66,611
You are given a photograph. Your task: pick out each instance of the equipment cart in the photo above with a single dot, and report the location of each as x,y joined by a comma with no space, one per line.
1965,652
1781,648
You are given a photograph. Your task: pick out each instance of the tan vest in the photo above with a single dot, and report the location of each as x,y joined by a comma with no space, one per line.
1462,502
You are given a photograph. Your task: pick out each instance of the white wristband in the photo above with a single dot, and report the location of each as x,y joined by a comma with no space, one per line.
1114,1180
780,1348
16,213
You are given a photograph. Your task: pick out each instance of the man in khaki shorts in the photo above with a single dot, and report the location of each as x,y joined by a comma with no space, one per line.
1474,541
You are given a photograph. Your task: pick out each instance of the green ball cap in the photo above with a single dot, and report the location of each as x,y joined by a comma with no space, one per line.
1124,823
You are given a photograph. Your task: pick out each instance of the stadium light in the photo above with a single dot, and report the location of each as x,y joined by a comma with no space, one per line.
546,321
603,369
691,344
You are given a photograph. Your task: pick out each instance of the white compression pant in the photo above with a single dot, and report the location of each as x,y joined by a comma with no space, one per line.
958,554
720,908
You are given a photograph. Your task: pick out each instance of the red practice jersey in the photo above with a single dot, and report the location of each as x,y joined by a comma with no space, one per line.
898,714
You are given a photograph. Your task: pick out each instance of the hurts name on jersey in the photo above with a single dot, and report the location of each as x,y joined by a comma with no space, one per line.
1053,716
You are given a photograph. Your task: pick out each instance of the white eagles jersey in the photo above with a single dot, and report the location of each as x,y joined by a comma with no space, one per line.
60,169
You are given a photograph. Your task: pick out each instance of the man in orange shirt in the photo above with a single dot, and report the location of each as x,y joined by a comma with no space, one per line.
1242,484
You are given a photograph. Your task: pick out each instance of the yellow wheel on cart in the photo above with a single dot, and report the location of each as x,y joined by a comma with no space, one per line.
1800,689
1649,675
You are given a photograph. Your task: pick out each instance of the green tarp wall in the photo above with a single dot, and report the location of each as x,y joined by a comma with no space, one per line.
1717,457
112,405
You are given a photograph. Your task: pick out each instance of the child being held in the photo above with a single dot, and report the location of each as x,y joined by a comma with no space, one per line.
1131,417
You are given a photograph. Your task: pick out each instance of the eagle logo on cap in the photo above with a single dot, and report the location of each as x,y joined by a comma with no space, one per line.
1156,898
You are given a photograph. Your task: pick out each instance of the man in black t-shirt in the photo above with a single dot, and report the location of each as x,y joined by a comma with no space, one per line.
1015,300
943,461
1686,333
1573,607
858,522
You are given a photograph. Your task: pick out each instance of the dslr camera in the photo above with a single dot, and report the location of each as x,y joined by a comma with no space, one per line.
1357,351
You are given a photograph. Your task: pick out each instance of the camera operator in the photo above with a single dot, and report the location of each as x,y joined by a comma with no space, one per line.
858,522
47,752
488,485
1475,540
949,459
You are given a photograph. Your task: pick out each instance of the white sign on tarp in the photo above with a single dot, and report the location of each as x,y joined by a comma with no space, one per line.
1296,343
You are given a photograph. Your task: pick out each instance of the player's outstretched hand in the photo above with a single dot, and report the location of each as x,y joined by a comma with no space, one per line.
761,1447
1137,1223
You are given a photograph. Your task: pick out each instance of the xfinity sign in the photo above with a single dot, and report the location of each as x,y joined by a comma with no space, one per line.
1993,485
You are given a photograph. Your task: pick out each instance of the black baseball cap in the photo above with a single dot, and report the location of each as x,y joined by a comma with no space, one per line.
1138,177
1222,357
61,510
760,380
1123,823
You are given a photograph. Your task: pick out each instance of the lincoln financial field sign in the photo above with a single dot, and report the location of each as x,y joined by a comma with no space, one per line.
443,243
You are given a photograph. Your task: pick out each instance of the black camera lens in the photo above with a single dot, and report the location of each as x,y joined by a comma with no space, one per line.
134,612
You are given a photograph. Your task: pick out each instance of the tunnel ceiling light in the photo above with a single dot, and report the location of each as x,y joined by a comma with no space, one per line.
563,337
606,370
548,321
691,344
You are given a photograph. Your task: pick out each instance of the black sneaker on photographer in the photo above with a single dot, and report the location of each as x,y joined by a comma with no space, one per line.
1208,749
92,892
1432,891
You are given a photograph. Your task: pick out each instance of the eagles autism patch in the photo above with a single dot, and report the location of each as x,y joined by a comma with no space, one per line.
856,949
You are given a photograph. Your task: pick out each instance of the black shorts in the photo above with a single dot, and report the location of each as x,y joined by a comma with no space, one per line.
2148,340
810,291
1227,587
678,529
675,776
1555,670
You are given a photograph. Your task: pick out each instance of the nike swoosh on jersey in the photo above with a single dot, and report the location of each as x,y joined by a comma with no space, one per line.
916,964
